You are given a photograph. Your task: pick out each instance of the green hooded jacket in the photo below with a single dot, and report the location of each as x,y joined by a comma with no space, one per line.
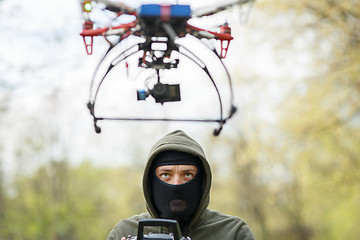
206,224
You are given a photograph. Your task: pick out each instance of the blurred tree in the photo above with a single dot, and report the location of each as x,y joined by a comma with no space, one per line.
320,117
258,185
59,202
5,94
2,194
51,199
295,178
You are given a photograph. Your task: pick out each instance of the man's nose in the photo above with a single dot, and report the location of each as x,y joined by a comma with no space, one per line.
177,180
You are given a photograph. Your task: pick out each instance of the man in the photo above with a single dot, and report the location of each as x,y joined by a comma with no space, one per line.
176,185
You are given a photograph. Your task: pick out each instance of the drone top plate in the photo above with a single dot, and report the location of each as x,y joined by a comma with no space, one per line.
156,10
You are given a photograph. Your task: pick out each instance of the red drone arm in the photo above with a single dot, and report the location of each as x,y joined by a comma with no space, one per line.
123,28
88,33
224,36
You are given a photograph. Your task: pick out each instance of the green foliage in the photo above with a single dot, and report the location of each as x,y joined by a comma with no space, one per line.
299,178
325,124
63,202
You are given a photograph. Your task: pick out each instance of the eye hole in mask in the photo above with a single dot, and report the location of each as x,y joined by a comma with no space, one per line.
176,174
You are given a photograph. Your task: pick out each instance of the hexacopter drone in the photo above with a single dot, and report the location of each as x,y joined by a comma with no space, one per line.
155,25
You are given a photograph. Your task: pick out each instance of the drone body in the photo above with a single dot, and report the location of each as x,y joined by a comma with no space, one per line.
157,28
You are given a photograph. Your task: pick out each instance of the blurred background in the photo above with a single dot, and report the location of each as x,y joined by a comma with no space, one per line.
287,162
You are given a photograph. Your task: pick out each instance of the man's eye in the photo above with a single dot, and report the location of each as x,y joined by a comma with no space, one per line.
164,175
189,175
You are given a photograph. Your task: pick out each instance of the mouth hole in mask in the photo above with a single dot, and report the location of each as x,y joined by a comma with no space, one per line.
177,205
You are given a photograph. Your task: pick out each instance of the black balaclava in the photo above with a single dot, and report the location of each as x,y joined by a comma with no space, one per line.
177,202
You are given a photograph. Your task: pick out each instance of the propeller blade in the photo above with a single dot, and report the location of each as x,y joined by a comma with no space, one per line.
211,10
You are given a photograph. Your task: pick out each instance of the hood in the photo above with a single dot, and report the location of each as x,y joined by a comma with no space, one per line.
178,141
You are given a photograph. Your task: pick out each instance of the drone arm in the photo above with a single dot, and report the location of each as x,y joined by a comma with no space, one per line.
210,34
124,30
121,29
224,36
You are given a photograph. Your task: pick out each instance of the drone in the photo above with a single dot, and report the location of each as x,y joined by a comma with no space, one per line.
155,25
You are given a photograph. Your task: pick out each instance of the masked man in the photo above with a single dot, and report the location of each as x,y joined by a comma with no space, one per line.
176,185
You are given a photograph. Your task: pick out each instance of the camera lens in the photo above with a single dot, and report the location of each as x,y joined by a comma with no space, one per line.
159,89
